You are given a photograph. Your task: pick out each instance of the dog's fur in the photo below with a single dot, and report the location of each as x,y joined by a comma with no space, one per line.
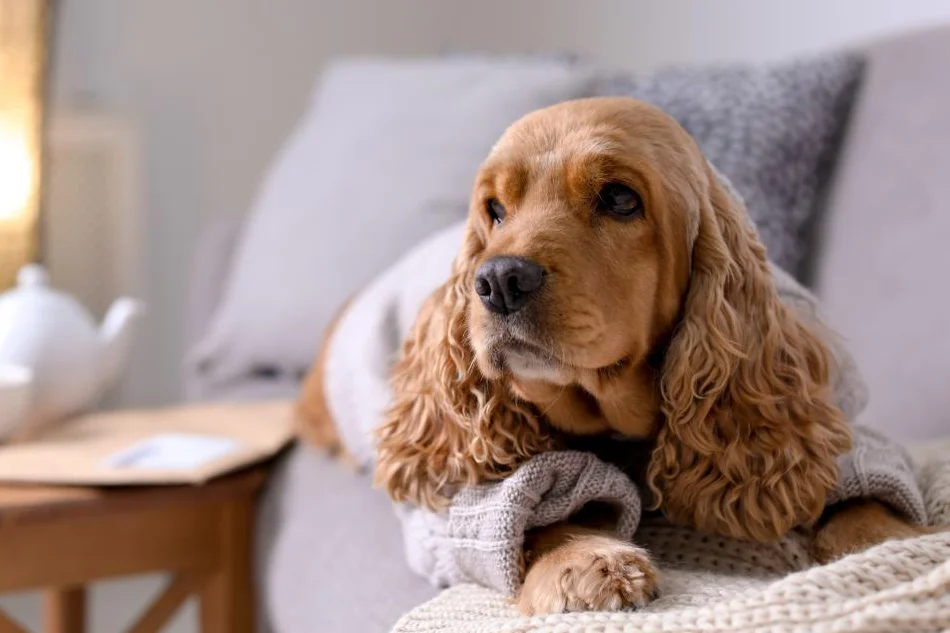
665,327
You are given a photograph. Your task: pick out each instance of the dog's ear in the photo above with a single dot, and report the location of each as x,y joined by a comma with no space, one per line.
751,435
449,425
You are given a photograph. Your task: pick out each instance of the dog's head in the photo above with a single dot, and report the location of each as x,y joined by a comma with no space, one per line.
609,282
585,213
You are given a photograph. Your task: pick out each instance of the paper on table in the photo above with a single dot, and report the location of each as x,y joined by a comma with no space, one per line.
177,451
161,446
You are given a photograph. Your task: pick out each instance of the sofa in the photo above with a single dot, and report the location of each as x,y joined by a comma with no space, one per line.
329,548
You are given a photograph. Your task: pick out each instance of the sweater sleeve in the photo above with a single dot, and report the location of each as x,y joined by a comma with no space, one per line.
878,468
480,537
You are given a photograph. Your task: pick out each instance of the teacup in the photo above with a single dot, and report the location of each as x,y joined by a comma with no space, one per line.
16,391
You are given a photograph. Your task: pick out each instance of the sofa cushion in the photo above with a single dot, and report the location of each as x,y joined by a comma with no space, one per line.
386,154
884,259
773,130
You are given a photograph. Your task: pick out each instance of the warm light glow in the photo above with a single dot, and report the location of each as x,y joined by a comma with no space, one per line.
23,32
16,172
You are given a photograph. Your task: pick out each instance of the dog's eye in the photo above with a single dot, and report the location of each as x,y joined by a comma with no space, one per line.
495,211
619,200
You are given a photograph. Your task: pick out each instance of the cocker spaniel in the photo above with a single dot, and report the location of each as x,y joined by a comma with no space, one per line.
608,283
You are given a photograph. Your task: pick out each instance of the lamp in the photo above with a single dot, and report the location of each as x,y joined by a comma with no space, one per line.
23,29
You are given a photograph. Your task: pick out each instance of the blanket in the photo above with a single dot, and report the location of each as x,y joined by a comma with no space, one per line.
479,538
715,585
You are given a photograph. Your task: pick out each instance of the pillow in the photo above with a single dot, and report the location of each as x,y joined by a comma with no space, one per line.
773,130
386,155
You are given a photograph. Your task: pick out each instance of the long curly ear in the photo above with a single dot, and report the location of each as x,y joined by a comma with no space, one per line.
751,435
449,425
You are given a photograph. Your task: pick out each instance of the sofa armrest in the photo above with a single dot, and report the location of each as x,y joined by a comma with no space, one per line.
209,273
210,270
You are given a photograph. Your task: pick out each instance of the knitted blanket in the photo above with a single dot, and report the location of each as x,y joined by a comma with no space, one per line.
713,584
479,539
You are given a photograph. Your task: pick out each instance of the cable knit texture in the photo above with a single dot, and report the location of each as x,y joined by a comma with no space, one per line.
719,585
878,468
480,538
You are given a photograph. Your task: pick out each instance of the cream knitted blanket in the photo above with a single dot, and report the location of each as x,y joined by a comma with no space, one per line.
712,584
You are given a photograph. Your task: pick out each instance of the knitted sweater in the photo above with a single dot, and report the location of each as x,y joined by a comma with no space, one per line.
480,537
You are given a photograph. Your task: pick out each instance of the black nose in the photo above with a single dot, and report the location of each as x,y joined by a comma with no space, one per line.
506,283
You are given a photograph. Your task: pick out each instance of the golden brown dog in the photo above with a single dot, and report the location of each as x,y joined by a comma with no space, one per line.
608,283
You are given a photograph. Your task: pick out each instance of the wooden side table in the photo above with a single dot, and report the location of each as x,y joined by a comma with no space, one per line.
61,538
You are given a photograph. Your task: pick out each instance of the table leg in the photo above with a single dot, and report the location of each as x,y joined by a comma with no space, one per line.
227,597
65,610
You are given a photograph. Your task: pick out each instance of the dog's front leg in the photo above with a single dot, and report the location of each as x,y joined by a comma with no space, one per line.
577,568
854,526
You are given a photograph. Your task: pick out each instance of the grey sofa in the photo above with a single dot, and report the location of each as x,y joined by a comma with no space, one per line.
329,548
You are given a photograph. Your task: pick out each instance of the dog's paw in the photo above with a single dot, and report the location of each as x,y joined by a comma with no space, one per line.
589,573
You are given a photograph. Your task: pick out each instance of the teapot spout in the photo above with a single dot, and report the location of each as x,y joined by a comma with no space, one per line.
116,335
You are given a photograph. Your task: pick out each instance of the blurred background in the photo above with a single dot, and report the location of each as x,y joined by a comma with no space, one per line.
197,97
163,117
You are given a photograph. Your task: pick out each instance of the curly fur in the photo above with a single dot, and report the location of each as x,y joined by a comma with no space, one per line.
448,425
750,437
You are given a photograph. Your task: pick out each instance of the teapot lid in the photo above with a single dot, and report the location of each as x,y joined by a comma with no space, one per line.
32,300
32,275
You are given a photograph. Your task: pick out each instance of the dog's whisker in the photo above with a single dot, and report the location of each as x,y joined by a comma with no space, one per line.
554,402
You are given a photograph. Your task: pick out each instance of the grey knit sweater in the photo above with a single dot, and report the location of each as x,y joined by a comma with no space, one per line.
480,537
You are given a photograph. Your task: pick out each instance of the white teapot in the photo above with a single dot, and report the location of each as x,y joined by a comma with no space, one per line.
73,361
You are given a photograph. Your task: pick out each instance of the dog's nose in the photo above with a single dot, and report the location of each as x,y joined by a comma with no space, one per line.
506,283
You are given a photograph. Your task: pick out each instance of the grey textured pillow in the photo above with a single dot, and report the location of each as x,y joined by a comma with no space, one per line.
773,130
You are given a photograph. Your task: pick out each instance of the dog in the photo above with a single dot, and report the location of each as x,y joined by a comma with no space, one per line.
609,283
